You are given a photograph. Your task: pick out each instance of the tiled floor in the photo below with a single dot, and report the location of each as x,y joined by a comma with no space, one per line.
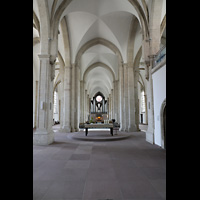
130,169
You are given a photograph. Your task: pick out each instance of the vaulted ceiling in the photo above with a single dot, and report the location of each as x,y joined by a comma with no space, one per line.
108,20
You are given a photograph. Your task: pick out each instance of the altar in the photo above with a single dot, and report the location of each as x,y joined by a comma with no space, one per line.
98,125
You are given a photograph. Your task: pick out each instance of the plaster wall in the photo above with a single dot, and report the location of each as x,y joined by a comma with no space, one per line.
159,95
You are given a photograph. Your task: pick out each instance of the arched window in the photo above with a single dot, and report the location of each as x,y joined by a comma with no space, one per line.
99,98
142,102
55,108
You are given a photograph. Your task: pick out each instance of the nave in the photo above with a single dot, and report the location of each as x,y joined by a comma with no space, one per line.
118,170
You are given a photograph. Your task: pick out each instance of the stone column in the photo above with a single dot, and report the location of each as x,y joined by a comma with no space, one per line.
112,96
126,111
136,79
103,105
121,97
36,103
131,100
67,100
85,105
72,97
44,134
146,110
81,102
150,129
76,97
61,104
88,105
110,107
116,95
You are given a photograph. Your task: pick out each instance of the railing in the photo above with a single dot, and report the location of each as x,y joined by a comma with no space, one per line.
160,55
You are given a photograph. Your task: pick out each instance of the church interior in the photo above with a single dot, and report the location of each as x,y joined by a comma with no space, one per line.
99,67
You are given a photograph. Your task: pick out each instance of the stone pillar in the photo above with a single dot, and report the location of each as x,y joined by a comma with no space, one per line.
136,79
61,103
110,106
121,97
131,100
116,95
146,110
44,134
72,97
88,105
85,105
81,102
36,103
112,96
76,97
126,111
103,105
67,100
150,129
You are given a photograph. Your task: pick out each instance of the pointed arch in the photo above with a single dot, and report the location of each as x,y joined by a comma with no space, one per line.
143,18
94,42
96,65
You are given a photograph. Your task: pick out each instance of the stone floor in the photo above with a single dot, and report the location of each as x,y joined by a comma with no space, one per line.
129,169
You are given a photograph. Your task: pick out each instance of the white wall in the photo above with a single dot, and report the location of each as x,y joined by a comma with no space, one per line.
159,95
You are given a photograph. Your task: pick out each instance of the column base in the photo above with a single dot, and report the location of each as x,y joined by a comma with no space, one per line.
150,137
122,129
43,138
73,130
66,129
132,129
76,130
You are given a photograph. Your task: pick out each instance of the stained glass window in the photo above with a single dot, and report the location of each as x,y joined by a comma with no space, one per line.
99,98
